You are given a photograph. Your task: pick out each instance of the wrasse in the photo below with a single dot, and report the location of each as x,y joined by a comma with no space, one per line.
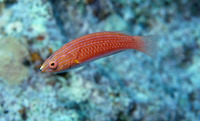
94,46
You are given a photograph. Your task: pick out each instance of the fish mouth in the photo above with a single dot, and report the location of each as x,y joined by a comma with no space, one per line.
41,68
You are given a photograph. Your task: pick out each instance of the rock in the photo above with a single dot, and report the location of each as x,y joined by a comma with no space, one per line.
12,55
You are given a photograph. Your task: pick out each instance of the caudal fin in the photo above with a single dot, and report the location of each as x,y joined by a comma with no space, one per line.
151,47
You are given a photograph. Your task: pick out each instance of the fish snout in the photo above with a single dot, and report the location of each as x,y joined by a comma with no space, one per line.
42,69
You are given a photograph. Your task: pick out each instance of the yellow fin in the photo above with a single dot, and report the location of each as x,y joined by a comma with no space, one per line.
76,61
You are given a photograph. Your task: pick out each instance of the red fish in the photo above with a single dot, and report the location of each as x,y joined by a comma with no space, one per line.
94,46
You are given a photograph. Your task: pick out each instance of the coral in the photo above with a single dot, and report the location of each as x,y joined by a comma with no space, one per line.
76,87
113,20
13,53
34,25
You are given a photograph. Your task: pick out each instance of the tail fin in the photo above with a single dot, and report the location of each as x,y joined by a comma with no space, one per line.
151,47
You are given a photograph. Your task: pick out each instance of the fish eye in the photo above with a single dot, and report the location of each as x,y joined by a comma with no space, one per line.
53,64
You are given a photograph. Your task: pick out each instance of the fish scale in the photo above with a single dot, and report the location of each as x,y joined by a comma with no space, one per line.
96,45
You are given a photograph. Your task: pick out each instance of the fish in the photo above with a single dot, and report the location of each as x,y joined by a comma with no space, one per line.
93,46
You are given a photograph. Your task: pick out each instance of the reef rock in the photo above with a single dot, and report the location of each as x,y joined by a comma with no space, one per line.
12,55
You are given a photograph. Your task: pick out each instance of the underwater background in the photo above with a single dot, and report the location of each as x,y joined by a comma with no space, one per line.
128,86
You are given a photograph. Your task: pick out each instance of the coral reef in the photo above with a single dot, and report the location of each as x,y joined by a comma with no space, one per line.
127,86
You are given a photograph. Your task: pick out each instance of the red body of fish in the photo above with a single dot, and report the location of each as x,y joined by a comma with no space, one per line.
96,45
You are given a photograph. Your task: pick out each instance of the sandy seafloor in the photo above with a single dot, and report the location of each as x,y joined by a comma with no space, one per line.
128,86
